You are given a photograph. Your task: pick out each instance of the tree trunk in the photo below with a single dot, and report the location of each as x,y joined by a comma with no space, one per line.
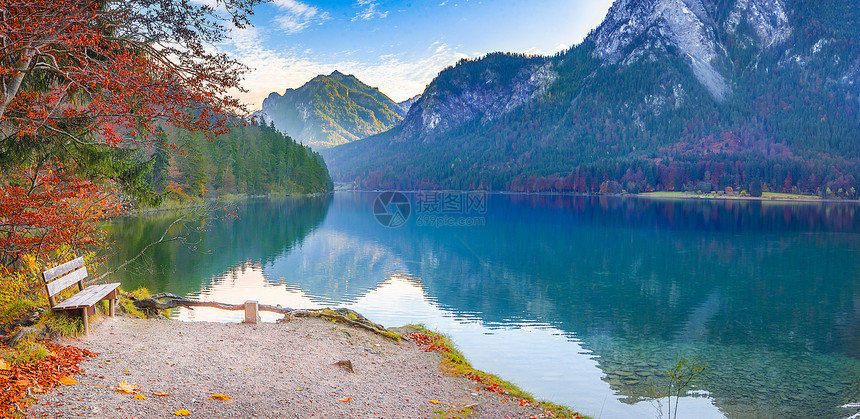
164,301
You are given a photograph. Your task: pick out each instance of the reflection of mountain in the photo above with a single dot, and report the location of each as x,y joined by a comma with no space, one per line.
636,280
263,229
336,266
765,293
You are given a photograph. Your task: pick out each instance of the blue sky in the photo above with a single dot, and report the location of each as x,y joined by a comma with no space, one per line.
398,46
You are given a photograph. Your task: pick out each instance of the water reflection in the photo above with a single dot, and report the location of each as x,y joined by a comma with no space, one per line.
239,284
547,361
585,300
213,241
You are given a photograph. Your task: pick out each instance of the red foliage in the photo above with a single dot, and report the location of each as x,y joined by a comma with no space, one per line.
82,76
45,209
420,339
38,377
117,86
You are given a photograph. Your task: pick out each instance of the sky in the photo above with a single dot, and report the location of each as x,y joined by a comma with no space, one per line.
398,46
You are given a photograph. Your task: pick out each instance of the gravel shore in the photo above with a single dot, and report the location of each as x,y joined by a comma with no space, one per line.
276,370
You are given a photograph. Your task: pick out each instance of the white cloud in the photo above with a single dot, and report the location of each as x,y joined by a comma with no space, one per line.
298,16
397,75
400,76
369,10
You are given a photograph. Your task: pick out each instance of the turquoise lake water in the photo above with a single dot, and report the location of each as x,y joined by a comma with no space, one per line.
583,301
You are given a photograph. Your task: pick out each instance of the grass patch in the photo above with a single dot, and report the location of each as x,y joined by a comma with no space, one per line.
774,195
764,196
455,364
456,412
62,323
29,351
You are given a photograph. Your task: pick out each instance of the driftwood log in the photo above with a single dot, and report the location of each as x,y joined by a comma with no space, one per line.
166,300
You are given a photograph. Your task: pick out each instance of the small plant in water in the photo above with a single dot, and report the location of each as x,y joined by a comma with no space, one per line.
679,378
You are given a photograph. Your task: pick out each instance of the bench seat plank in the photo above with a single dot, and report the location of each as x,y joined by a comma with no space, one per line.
89,296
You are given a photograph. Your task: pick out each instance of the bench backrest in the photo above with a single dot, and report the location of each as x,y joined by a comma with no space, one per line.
63,276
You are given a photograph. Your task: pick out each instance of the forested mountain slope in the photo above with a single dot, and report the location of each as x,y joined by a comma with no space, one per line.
664,95
250,159
331,110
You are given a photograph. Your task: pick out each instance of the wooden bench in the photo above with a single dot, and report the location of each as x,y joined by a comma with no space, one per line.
72,272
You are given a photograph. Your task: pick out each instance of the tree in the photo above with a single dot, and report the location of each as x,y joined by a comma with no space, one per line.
83,83
756,188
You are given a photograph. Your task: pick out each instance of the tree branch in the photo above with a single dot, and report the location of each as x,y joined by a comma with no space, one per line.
163,239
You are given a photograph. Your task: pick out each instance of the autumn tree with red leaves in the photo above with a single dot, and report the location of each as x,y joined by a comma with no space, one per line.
85,86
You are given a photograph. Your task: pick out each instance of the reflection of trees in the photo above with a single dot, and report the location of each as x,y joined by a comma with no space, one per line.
743,284
637,280
263,230
595,267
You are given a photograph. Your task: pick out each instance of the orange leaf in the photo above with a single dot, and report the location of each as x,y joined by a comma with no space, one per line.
346,399
182,412
221,397
160,393
139,397
435,402
4,365
127,388
68,381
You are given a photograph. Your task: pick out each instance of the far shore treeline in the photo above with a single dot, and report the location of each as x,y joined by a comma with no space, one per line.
251,159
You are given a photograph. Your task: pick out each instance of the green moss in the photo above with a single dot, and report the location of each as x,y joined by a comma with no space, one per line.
455,364
125,303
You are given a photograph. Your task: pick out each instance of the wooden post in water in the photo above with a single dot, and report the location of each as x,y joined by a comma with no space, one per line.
252,310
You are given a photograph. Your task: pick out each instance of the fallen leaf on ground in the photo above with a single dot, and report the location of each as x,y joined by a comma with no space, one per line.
127,388
347,365
435,402
38,376
139,396
346,399
182,412
4,365
221,397
160,393
68,381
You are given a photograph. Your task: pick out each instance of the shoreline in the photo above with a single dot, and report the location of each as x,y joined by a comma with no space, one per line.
287,369
646,195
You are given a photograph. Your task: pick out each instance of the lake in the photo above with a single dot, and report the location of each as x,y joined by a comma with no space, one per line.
582,301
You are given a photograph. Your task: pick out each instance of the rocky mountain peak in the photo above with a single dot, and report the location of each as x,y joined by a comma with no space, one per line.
768,18
690,27
682,24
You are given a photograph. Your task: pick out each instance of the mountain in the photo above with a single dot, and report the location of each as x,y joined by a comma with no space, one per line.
663,95
407,104
331,110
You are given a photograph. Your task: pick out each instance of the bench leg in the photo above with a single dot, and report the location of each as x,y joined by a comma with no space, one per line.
84,316
112,305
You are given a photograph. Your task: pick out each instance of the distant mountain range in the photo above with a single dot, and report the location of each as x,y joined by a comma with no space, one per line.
332,110
663,95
